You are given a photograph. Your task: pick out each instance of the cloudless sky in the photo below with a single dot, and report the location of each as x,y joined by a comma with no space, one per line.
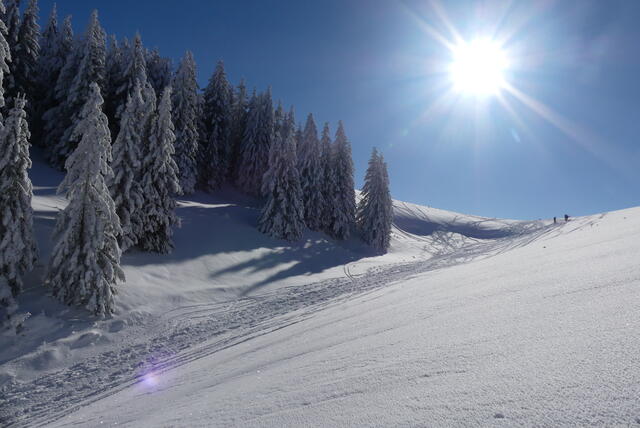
568,145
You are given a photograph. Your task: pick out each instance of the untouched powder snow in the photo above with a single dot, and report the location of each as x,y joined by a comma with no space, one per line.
467,321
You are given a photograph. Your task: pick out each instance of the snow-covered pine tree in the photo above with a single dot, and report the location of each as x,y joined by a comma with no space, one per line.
50,62
375,209
134,70
18,250
328,178
124,184
283,215
57,118
238,125
311,175
185,118
24,61
91,69
344,208
11,19
160,182
5,56
85,264
278,119
114,75
158,71
215,151
298,139
256,143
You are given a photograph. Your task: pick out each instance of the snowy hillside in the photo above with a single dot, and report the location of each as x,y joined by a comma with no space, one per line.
466,321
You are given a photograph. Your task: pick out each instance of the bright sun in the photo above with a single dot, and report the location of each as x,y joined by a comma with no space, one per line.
478,67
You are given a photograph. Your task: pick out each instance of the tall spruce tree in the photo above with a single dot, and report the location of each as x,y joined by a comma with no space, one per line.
185,118
50,62
158,71
5,56
114,79
238,125
18,251
91,69
25,56
344,206
11,19
256,143
328,178
311,175
56,118
134,70
124,185
375,209
283,215
85,264
160,182
215,150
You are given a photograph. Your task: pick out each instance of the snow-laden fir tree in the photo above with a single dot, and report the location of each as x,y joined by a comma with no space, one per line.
11,19
278,119
50,62
91,69
134,70
215,151
160,182
158,71
238,124
256,143
311,175
344,207
185,118
375,209
124,184
57,117
84,268
23,67
17,243
328,180
114,79
282,216
5,56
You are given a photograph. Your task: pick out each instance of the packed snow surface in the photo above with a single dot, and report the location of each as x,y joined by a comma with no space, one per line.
467,321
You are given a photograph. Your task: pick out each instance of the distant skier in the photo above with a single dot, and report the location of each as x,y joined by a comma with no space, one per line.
555,220
566,218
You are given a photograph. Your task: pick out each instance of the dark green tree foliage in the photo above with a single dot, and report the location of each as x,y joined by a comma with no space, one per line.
239,113
328,179
90,70
24,62
160,182
282,216
311,174
374,216
256,143
57,118
215,149
185,118
158,71
344,203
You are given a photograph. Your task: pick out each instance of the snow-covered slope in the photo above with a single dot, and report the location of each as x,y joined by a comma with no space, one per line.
467,321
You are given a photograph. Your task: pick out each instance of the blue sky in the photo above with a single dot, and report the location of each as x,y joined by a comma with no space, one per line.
568,143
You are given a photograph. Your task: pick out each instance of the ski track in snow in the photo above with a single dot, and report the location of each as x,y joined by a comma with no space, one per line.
193,332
